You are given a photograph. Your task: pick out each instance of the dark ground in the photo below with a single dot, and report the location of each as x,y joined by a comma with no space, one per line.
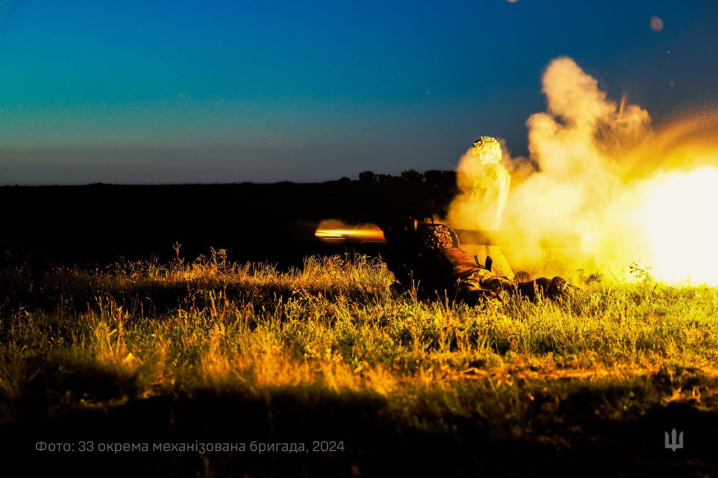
259,222
373,446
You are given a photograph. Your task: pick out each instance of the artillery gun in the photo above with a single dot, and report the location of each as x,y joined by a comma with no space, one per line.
427,256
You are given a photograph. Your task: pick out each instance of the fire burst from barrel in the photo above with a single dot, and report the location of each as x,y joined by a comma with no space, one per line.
681,227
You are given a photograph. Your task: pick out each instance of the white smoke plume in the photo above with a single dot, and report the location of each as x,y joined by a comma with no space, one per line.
591,161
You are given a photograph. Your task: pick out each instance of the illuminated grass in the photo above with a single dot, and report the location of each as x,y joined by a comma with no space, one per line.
334,328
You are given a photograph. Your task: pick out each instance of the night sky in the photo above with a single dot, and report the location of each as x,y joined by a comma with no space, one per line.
228,91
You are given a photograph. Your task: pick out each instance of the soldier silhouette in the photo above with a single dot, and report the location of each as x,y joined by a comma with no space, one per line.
428,256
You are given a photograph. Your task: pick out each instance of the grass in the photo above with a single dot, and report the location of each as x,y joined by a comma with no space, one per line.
333,337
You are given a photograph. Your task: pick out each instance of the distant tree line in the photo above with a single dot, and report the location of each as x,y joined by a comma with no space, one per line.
433,176
410,193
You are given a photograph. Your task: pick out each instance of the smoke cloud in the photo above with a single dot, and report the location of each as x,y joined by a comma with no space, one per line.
593,163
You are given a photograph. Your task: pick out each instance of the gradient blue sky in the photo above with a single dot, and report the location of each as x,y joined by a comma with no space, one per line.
223,91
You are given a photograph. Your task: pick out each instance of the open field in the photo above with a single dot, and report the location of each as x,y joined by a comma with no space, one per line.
216,351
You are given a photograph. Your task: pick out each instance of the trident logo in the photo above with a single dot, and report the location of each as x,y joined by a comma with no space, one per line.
672,443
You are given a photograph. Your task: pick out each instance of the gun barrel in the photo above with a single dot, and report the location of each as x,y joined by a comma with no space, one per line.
371,233
367,233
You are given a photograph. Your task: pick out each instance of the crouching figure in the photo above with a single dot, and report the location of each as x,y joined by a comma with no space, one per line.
427,256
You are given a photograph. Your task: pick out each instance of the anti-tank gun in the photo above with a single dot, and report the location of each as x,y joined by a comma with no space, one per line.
426,255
